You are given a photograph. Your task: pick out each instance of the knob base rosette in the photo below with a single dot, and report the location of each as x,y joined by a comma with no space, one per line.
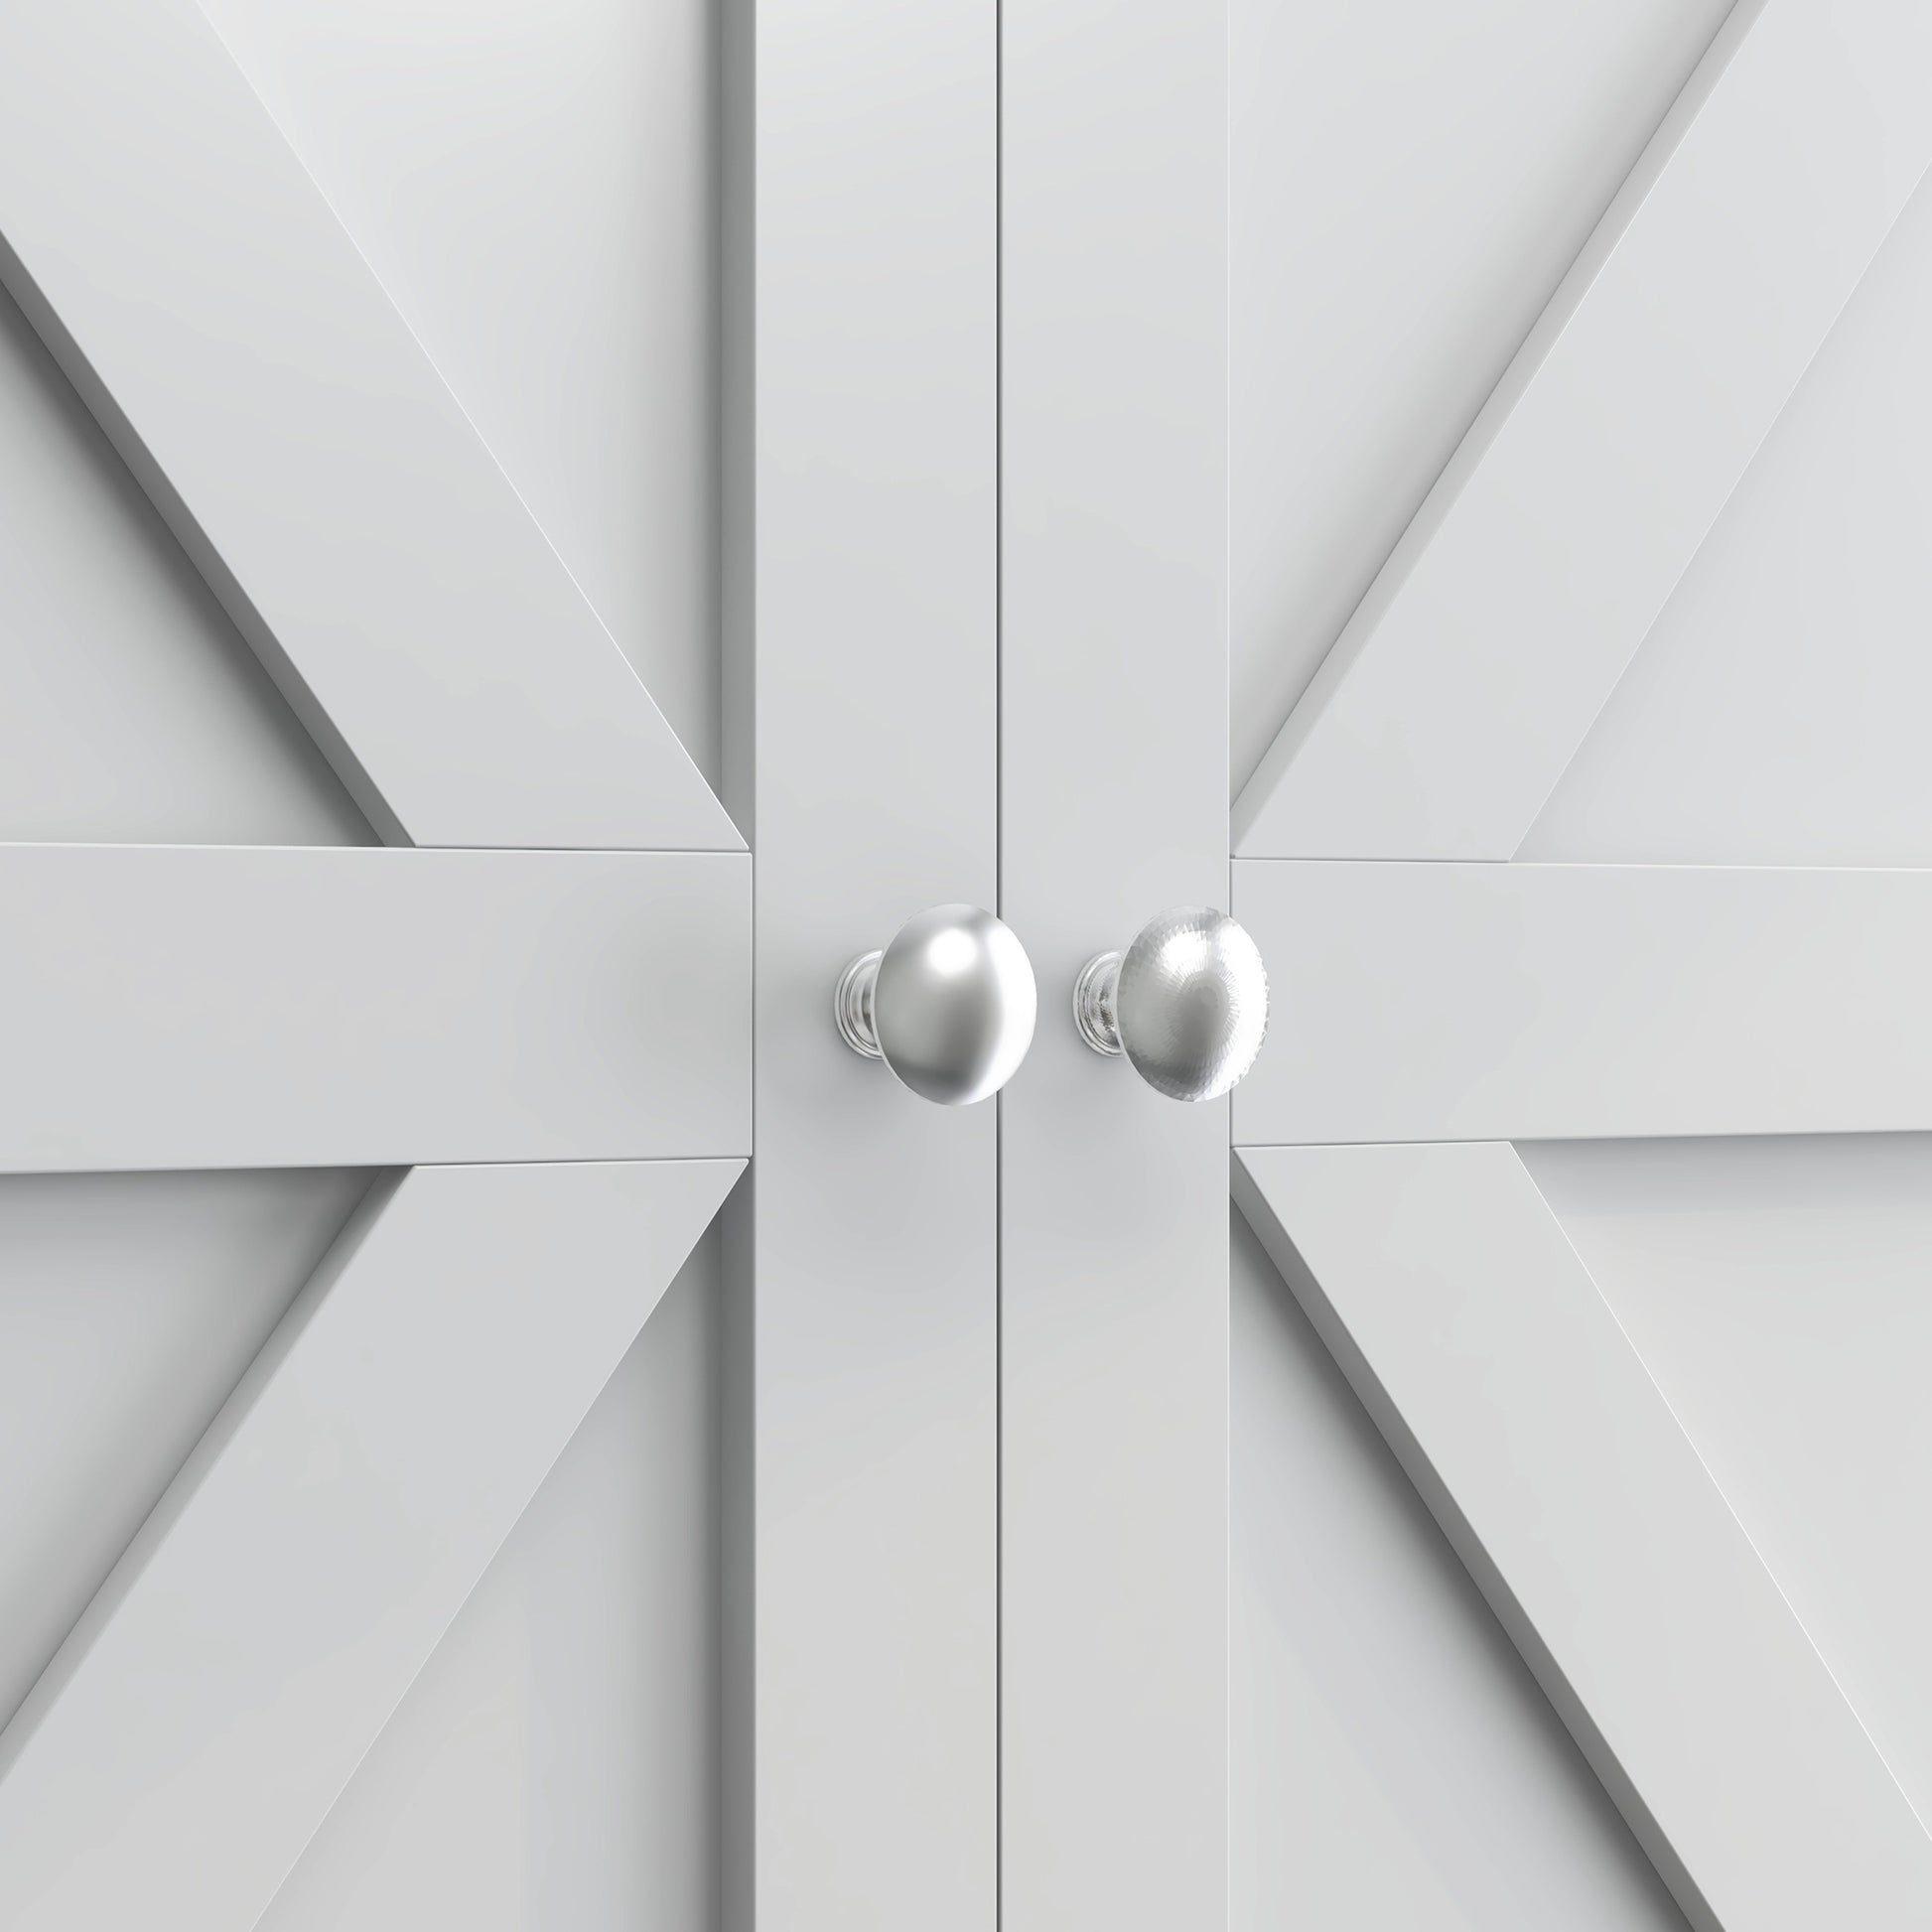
1096,994
852,1005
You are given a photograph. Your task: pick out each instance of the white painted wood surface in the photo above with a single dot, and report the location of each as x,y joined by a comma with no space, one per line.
862,757
1439,1002
534,183
129,707
1409,185
1113,786
862,277
210,1006
1478,1342
1473,668
1395,1766
555,1762
130,1306
200,293
1775,713
1776,1290
214,1698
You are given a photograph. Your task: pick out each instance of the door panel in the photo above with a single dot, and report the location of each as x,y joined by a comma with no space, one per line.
1772,717
1394,1762
251,369
536,186
557,1761
132,708
565,260
255,1637
1472,1330
1409,183
1684,1506
1776,1290
129,1307
1774,714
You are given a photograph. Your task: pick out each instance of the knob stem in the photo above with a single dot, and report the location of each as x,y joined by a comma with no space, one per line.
852,1005
1096,1003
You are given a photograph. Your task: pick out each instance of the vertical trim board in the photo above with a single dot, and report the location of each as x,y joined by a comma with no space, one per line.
863,740
1113,776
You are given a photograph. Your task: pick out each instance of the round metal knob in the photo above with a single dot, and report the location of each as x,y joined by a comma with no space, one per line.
949,1006
1187,1003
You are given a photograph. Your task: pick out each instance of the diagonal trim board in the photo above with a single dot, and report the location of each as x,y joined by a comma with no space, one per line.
1444,1001
1477,1341
201,295
1462,685
213,1700
169,1007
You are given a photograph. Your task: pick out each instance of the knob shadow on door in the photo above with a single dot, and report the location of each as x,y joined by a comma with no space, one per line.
1187,1003
948,1005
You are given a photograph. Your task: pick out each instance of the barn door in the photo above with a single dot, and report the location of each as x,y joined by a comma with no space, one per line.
1574,417
446,452
1587,866
381,992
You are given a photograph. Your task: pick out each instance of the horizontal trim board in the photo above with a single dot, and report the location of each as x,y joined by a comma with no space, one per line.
248,1006
200,293
1450,1002
213,1701
1460,690
1477,1341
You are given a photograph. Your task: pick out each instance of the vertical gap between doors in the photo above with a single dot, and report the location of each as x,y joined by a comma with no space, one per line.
999,897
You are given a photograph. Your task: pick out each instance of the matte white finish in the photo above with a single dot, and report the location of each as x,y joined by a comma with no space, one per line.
555,1763
1472,1002
1775,1288
1113,785
1549,545
209,1706
129,1307
199,291
861,753
862,1598
1481,1347
208,1007
534,183
129,707
1395,1767
1407,184
1776,712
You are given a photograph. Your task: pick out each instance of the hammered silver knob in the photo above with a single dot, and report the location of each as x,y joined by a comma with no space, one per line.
1187,1003
949,1006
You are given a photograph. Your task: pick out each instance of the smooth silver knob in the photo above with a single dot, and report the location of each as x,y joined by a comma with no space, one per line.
949,1006
1187,1003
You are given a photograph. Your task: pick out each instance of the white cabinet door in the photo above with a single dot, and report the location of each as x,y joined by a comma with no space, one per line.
532,535
1587,866
449,456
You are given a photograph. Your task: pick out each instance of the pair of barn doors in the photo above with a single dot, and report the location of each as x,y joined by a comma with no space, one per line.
370,930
